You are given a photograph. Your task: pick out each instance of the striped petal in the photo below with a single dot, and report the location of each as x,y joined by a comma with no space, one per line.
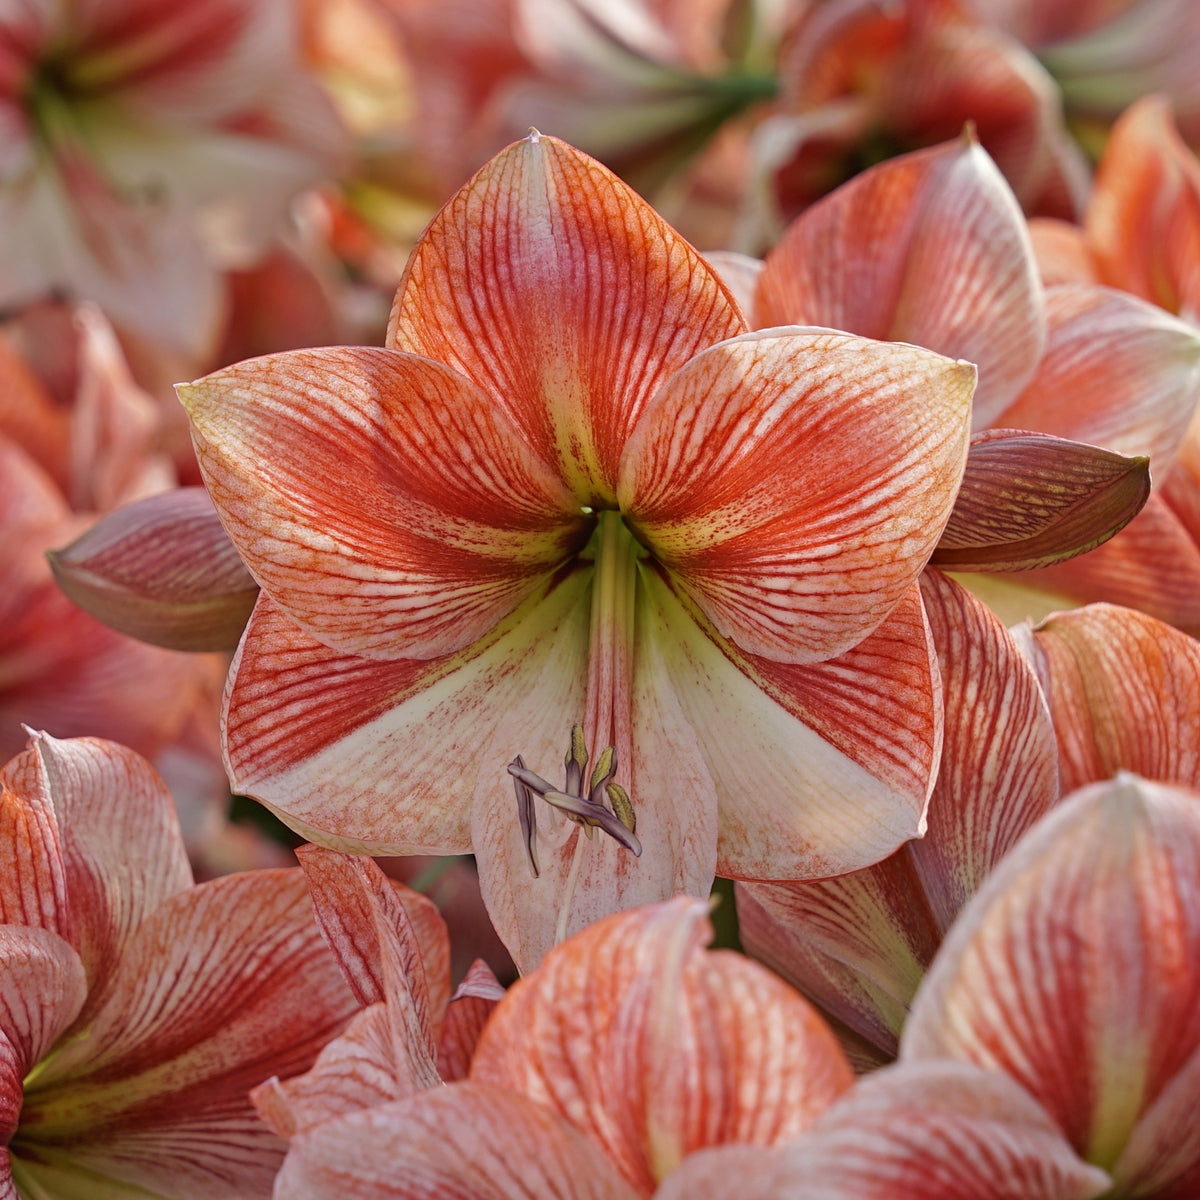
1124,692
924,1131
381,757
563,295
380,499
1028,500
656,1048
795,482
827,768
42,989
1076,968
222,986
1117,372
929,248
463,1142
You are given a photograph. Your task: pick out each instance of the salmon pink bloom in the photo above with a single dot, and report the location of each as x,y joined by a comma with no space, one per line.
575,505
145,146
137,1010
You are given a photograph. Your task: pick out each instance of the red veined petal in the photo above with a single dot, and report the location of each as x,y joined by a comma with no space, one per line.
562,294
380,499
795,483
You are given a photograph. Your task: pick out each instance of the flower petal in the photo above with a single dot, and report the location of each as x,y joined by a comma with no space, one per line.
796,481
829,767
562,294
42,989
381,757
929,248
1124,692
924,1131
1076,968
380,499
464,1142
1029,499
468,1013
1136,397
646,1042
222,986
163,570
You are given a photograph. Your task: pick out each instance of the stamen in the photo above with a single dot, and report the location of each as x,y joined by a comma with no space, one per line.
588,810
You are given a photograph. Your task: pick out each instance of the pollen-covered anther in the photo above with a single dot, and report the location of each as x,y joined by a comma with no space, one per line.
588,810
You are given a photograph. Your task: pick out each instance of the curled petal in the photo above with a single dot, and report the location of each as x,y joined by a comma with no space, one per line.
352,482
625,1029
467,1014
1028,500
163,570
796,481
929,248
564,296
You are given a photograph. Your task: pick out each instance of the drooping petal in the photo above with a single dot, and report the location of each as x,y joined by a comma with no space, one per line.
380,499
220,987
929,248
1076,968
830,766
163,570
1028,500
632,1031
1124,692
1117,372
381,757
923,1131
795,482
565,297
464,1142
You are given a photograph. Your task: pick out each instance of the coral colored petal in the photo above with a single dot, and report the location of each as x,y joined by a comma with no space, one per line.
828,768
380,757
1076,968
1062,252
1143,220
221,987
999,768
1136,397
1153,565
463,1142
122,852
929,248
42,989
468,1013
379,498
926,1131
565,297
632,1031
1028,500
1124,692
795,482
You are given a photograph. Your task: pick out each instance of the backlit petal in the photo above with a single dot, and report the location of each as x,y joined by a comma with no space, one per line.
565,297
380,498
929,248
795,482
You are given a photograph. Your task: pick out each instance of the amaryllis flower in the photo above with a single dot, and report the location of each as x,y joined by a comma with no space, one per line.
136,1009
1076,971
629,1049
145,146
575,506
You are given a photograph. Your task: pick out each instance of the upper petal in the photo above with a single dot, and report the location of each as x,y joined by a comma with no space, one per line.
929,248
565,297
795,483
381,499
